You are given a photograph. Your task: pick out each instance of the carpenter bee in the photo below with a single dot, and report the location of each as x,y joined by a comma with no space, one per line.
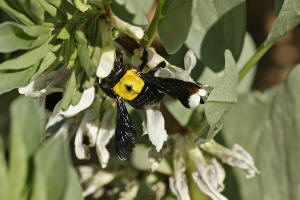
140,90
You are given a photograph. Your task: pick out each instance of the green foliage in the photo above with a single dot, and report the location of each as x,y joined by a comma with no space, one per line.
15,37
216,26
74,39
27,151
176,15
14,79
287,19
267,125
132,11
220,101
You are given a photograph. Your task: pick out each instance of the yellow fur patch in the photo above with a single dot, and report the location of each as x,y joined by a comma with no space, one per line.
129,86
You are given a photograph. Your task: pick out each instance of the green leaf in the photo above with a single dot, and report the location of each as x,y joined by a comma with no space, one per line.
31,8
3,173
278,5
131,11
81,5
88,53
14,13
15,79
73,190
69,92
248,50
139,157
56,3
217,25
145,4
173,27
47,61
288,18
52,165
37,11
27,59
25,136
221,100
53,10
269,128
15,37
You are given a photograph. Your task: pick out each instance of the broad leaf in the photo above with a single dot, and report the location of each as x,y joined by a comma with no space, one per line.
216,25
269,130
278,5
69,92
51,164
16,37
15,79
81,5
288,18
221,100
14,13
248,50
27,59
73,190
3,173
131,11
173,27
25,136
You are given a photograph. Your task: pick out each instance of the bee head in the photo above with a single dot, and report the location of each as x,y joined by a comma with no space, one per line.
115,75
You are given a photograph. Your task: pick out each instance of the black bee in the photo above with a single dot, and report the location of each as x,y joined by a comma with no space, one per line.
139,90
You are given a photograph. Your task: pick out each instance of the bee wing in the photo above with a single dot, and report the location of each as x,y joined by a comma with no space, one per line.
125,135
188,93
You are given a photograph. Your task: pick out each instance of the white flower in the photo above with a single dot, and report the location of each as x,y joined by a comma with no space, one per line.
106,63
45,84
178,182
209,178
236,157
153,58
85,101
170,71
107,57
88,127
94,180
154,126
190,61
106,131
131,30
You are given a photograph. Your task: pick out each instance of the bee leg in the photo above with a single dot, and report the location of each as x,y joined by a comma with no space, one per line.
119,57
160,65
144,59
109,92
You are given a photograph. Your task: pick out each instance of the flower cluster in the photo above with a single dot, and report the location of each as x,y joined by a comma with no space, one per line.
89,114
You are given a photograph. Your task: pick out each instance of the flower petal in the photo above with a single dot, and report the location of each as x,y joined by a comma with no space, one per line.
88,126
38,86
106,131
131,30
45,83
155,127
85,101
208,178
56,117
178,182
190,61
106,63
236,157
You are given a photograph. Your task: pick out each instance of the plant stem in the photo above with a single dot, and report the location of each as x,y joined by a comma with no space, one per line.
152,30
254,59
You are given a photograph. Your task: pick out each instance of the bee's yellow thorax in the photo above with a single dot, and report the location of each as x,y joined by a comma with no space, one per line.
129,86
